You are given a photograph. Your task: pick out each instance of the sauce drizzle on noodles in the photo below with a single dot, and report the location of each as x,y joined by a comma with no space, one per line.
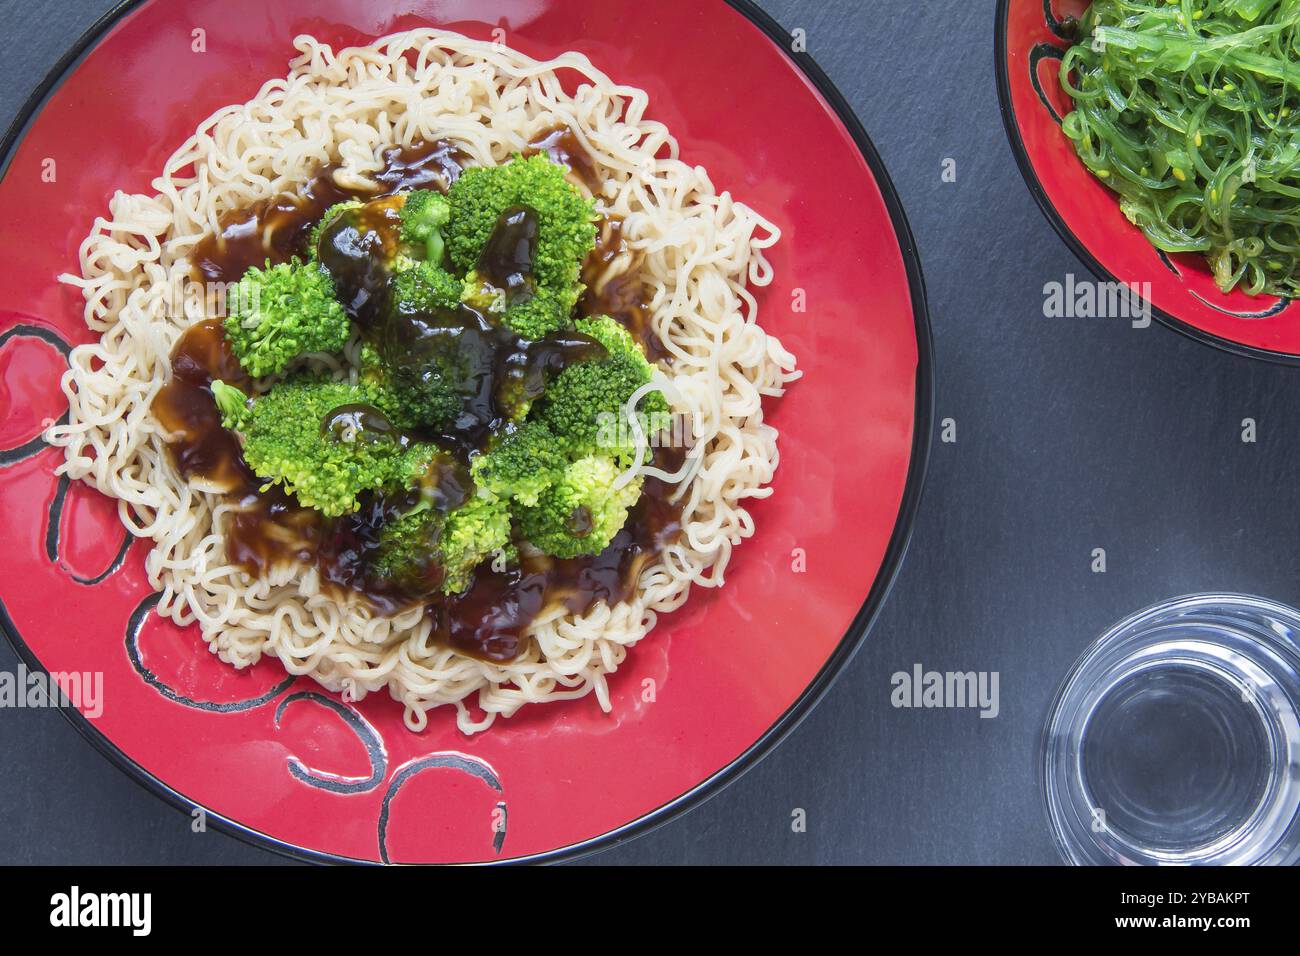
265,528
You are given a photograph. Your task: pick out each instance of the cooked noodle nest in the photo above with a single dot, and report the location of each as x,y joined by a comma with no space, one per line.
699,252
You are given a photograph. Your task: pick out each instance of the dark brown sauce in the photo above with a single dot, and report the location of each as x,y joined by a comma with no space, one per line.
277,229
561,144
345,561
200,447
507,259
421,165
270,529
622,297
357,248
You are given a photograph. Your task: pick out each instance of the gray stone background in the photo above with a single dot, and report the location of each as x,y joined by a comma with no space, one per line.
1073,434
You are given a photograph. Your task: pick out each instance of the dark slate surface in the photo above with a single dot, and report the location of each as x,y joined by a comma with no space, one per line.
1073,434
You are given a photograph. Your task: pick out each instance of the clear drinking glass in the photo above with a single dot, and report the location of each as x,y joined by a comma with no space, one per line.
1175,738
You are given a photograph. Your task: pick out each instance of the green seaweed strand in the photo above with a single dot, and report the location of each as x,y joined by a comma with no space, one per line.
1190,111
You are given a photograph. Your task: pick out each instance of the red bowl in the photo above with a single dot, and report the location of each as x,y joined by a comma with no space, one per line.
283,763
1029,45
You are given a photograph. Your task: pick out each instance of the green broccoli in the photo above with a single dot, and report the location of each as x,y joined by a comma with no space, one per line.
303,434
582,512
409,225
427,551
425,288
566,233
411,395
587,396
546,311
281,312
521,465
372,375
541,313
359,246
231,403
473,533
407,555
424,214
313,241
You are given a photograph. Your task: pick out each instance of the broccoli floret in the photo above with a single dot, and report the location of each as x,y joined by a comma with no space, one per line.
408,555
425,287
411,395
409,225
522,465
281,312
374,377
538,315
420,398
313,241
585,398
231,403
398,394
581,513
428,551
566,233
424,214
473,533
547,311
360,247
292,437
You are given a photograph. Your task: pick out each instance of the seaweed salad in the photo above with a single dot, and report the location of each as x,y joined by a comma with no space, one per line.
1190,111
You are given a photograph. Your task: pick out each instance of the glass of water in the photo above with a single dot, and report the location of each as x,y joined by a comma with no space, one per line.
1175,739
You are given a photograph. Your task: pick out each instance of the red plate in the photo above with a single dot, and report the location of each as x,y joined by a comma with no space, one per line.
293,768
1030,41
